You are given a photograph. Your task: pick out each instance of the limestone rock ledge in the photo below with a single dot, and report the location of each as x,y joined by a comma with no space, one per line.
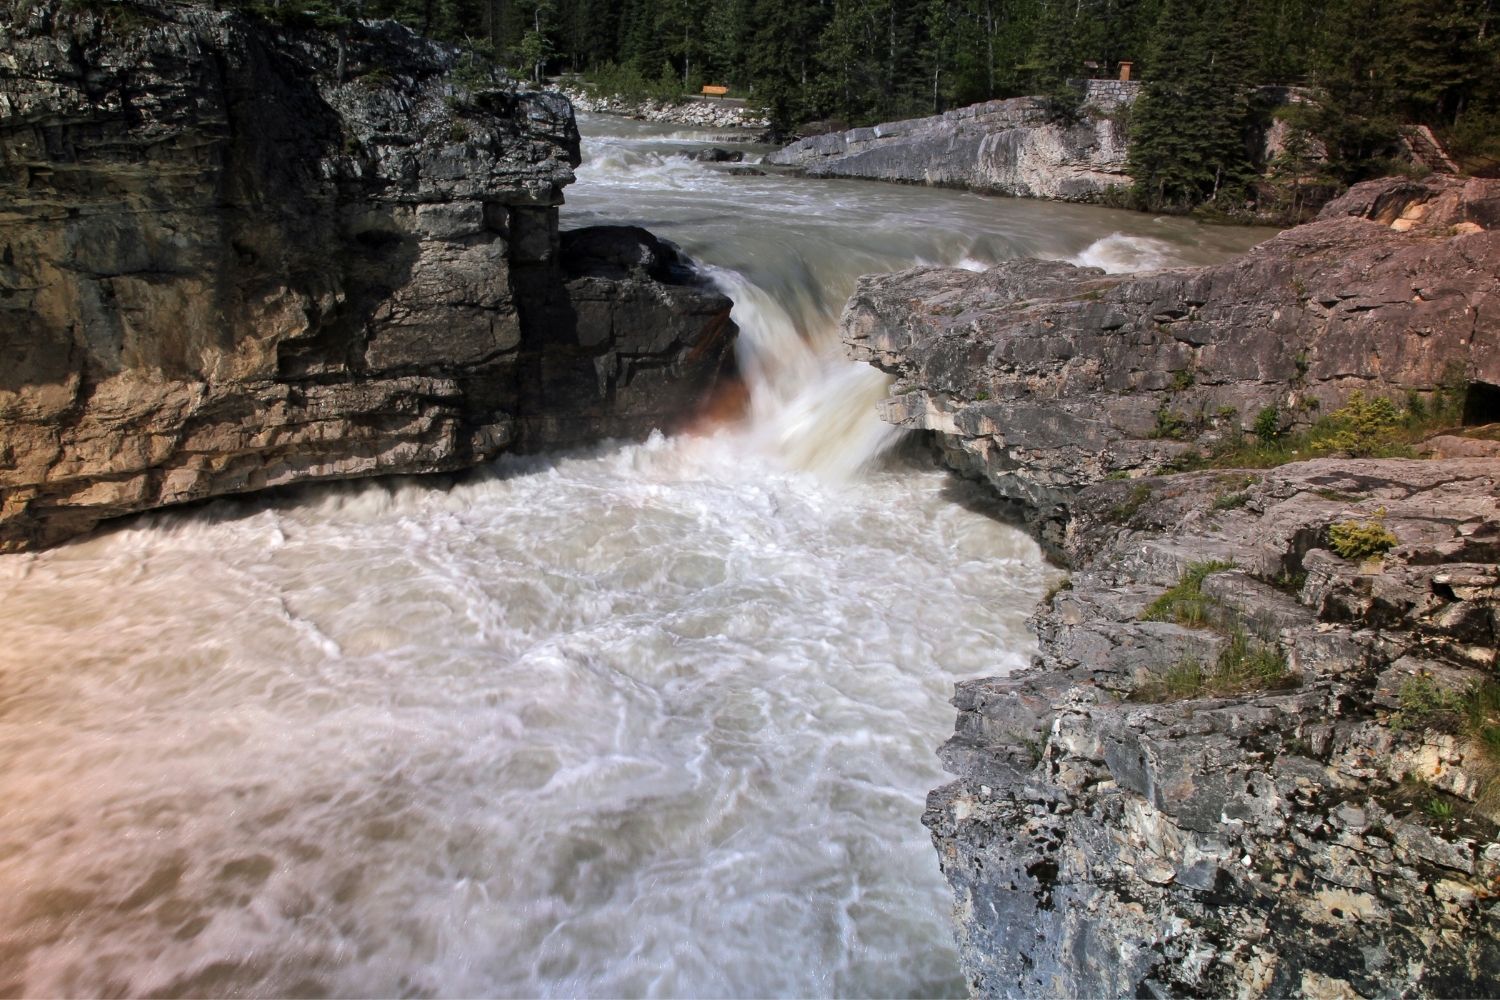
1042,377
1013,147
1273,844
235,255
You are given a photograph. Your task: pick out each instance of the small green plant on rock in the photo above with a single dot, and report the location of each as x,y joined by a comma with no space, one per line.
1172,425
1359,540
1268,424
1182,380
1425,704
1231,501
1246,664
1185,603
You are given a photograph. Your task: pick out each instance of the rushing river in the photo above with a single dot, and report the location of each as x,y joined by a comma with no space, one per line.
655,719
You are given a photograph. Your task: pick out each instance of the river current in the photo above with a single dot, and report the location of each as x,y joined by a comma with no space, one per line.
652,719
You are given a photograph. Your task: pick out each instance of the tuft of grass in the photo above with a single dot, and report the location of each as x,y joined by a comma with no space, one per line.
1359,540
1290,583
1472,714
1182,380
1185,603
1172,425
1361,428
1231,501
1246,664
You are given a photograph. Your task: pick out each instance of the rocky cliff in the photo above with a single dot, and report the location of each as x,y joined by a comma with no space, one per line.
235,255
1015,147
1258,753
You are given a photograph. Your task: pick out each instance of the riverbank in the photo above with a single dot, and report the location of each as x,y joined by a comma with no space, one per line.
1254,755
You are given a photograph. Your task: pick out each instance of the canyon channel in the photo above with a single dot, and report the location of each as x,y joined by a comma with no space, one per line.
647,719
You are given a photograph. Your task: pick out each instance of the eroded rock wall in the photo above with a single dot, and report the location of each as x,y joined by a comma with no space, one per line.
234,255
1043,377
1291,842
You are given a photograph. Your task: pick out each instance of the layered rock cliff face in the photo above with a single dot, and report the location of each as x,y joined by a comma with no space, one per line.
1252,758
1014,147
234,256
1043,377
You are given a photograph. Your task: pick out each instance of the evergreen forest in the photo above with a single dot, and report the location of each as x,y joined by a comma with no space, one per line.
1214,71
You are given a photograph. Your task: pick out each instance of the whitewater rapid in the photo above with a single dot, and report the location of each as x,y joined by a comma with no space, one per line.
651,719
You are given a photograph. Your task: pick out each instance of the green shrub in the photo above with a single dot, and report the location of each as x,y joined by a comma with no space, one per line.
1268,424
1356,540
1362,427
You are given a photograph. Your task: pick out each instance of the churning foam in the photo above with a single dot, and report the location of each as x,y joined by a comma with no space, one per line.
652,720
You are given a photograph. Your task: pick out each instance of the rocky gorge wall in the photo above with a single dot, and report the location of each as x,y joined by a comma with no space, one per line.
1012,147
1258,753
235,255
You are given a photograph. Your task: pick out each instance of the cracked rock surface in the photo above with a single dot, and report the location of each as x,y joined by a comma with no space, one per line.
1265,844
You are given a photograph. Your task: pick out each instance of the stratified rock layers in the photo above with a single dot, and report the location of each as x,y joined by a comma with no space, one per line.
1331,834
234,256
1015,147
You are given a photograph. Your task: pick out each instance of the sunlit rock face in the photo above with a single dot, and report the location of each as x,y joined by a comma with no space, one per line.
1137,815
1015,147
234,255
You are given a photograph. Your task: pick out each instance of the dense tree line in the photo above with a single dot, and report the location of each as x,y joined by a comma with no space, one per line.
1372,66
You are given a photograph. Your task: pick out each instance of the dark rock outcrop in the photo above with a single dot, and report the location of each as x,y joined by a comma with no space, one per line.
234,256
1043,377
1283,786
1014,147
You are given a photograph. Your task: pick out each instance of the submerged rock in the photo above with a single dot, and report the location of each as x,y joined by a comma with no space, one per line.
1017,147
234,256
